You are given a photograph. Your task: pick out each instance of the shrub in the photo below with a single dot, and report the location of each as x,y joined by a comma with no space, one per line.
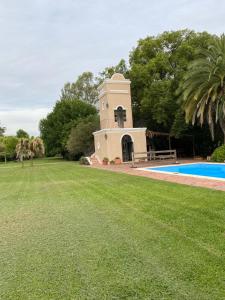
112,162
9,143
81,139
69,156
219,154
84,161
105,161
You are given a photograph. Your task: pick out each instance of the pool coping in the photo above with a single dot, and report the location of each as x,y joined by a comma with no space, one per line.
151,169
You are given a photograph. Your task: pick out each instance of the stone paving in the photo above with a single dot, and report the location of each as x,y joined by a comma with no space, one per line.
193,181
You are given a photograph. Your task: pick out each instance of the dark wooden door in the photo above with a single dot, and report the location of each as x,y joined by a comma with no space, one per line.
127,148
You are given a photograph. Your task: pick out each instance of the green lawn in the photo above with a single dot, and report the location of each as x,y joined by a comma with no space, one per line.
71,232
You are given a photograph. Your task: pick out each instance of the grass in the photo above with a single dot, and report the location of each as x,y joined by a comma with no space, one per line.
71,232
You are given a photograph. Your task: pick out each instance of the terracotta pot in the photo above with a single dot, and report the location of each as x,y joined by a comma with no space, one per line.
117,161
104,162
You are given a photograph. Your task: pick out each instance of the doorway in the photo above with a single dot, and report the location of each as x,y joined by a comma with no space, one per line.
127,148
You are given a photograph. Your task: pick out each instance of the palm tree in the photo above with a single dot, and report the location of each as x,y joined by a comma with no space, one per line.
26,148
36,148
23,150
203,88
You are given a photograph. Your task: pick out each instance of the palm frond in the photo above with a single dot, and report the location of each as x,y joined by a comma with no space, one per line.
203,86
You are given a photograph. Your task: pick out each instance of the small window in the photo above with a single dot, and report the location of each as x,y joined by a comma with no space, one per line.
120,116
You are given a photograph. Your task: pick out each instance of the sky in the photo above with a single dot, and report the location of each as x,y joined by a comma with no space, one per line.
46,43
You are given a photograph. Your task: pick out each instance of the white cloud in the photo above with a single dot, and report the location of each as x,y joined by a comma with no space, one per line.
27,119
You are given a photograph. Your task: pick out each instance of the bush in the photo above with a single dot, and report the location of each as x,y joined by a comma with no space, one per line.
105,161
84,161
81,139
219,154
69,156
9,143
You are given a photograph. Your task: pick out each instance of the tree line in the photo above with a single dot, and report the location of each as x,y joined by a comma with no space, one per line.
177,86
21,146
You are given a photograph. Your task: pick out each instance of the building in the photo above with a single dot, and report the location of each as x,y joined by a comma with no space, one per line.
117,137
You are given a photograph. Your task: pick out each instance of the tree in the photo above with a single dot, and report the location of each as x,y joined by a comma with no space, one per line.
157,67
203,88
9,143
36,148
3,151
84,89
56,127
2,147
121,67
81,139
22,134
23,149
2,130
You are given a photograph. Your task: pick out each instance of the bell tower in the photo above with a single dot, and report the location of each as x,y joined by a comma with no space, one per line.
117,137
115,103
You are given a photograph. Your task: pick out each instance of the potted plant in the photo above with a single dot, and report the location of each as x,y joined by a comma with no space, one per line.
105,161
112,162
117,161
84,161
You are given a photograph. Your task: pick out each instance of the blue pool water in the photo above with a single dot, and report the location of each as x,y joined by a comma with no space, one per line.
199,169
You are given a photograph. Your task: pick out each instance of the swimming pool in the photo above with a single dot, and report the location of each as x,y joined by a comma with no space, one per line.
209,170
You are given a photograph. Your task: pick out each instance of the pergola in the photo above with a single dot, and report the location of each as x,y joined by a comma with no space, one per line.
151,134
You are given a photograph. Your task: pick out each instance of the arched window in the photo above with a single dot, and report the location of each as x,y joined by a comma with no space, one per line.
120,116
